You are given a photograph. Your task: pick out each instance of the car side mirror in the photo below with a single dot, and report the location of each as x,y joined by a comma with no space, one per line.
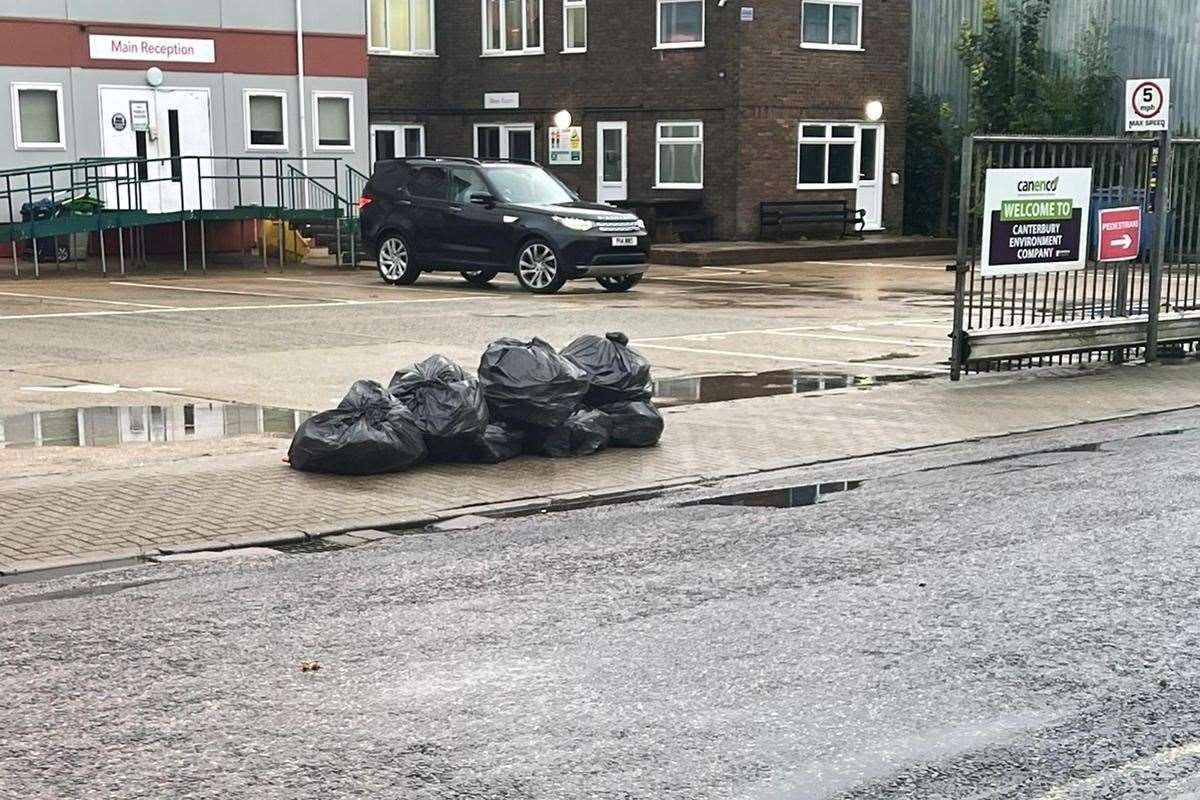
483,199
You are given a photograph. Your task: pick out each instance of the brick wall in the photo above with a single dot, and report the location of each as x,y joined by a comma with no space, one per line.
750,85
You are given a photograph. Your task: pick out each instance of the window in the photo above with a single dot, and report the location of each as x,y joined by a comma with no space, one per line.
512,27
465,182
504,141
397,141
832,24
38,116
680,155
574,26
828,156
680,23
401,27
334,120
265,115
430,183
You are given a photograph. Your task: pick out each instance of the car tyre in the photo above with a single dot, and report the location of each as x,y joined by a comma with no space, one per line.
538,267
619,283
479,277
395,261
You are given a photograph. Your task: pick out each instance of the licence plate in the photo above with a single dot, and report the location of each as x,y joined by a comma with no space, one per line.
624,241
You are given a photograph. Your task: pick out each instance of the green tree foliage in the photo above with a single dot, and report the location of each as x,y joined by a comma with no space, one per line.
1016,86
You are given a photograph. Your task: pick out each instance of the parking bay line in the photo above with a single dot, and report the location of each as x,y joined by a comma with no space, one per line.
266,307
817,361
168,287
82,300
834,326
863,339
875,265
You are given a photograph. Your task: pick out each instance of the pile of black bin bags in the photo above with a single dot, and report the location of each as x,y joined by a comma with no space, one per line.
527,398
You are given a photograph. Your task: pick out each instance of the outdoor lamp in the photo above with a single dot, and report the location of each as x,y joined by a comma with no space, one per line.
563,119
154,76
874,111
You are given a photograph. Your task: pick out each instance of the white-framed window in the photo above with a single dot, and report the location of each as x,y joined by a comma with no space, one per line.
402,27
831,24
397,141
574,26
333,120
37,112
680,24
512,27
265,115
827,156
679,161
505,140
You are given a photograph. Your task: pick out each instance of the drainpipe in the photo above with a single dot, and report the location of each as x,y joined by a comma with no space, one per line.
303,100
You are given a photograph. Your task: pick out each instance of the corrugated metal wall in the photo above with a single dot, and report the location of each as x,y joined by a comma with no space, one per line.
1149,38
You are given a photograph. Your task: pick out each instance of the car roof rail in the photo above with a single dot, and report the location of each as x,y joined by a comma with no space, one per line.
438,159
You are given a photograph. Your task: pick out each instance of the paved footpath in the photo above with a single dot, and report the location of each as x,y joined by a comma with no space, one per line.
189,499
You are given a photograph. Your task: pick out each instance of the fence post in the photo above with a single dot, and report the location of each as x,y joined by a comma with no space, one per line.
962,263
1162,208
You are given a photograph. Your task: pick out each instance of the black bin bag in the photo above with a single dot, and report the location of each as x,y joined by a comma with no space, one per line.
584,433
447,403
633,424
616,371
370,432
500,442
530,384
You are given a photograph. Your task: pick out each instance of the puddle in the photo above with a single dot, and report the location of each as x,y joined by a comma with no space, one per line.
789,497
112,426
734,386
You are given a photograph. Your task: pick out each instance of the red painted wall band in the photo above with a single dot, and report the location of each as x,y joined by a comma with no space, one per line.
55,43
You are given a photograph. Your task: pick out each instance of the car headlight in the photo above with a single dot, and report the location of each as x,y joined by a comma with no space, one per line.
575,223
640,224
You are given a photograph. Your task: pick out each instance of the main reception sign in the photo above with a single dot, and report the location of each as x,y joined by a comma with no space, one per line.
1036,220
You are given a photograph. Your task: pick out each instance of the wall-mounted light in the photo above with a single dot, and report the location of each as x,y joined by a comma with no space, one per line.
154,77
874,111
563,119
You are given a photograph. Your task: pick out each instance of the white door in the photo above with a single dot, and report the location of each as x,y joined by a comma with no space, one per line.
870,175
612,161
397,141
180,125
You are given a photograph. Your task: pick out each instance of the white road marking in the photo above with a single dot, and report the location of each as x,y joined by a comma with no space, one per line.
102,388
171,288
864,339
265,307
876,265
82,300
821,362
710,280
877,323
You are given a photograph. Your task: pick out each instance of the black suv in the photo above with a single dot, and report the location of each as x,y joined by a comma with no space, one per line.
481,218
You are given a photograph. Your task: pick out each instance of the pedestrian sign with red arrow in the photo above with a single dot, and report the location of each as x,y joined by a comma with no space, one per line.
1120,233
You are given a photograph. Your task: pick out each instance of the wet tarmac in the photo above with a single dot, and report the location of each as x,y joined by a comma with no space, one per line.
721,388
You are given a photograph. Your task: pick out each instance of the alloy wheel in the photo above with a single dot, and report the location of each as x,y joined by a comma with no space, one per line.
393,259
538,266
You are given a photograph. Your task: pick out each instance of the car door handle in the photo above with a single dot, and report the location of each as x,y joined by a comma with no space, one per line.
404,202
456,209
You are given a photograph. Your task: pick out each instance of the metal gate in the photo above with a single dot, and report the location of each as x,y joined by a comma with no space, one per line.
1106,311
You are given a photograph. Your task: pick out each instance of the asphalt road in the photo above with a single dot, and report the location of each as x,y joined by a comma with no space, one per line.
298,339
1012,619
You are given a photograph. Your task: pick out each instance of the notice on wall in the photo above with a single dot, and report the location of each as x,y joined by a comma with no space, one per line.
151,48
566,147
1036,220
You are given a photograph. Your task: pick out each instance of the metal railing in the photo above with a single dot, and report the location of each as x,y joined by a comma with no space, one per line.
1106,311
140,192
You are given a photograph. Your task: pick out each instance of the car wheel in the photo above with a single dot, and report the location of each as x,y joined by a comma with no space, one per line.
479,277
538,270
619,283
395,261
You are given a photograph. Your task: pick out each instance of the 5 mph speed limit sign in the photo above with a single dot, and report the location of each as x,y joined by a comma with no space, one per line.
1147,105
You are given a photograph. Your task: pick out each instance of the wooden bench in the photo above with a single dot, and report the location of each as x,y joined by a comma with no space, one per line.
793,213
672,219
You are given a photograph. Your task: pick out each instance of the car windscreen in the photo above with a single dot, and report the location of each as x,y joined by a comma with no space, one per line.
528,185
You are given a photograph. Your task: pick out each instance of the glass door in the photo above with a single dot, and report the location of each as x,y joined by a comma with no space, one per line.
612,161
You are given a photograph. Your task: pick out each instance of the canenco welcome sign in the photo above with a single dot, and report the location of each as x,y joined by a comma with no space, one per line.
1036,220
